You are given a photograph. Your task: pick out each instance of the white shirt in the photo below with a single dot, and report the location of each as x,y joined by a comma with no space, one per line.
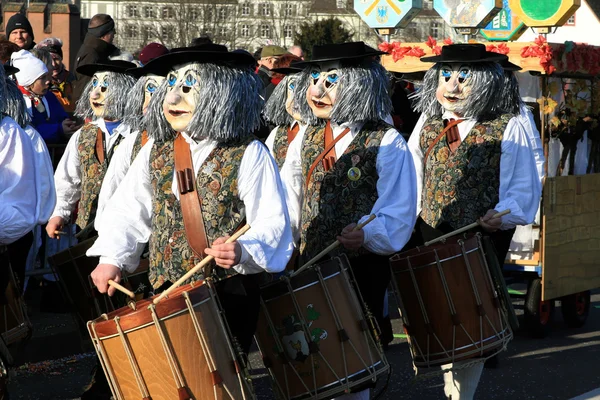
18,200
526,119
520,187
271,139
45,191
267,246
117,169
67,176
396,190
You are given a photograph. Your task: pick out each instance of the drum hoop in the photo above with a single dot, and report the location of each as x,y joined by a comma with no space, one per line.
303,287
436,262
176,314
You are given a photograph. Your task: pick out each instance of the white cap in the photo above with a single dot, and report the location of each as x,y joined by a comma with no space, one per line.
30,67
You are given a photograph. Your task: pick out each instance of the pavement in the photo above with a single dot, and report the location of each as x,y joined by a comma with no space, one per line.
53,365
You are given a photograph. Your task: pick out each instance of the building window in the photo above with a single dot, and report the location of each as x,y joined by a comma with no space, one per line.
132,11
131,31
426,5
245,30
168,33
288,31
411,29
245,9
222,14
265,9
222,31
288,10
265,31
434,30
571,21
193,13
168,13
149,12
146,32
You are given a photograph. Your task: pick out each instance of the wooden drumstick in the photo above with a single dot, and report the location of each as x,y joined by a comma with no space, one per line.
464,229
201,264
60,232
121,289
330,247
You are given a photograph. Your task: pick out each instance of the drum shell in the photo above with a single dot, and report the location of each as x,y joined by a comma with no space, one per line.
143,338
14,321
280,333
460,327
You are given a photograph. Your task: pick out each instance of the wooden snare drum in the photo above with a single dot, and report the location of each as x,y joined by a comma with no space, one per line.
14,321
313,335
178,349
448,303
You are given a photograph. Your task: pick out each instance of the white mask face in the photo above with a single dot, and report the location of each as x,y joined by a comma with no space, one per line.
152,84
289,103
100,84
182,97
322,92
454,87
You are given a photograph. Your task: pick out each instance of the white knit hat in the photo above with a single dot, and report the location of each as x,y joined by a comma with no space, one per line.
30,67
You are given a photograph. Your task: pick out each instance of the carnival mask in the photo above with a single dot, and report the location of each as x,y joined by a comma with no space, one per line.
454,87
322,92
289,102
152,84
100,82
182,96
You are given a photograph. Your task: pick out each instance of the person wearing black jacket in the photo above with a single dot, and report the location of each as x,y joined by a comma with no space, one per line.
97,47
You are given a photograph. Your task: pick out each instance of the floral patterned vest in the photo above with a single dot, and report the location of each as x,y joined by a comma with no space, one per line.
137,146
222,209
92,175
280,145
460,187
331,199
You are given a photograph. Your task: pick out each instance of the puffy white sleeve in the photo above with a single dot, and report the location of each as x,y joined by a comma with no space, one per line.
67,179
126,221
18,198
268,245
414,146
271,140
46,191
520,186
292,179
395,207
115,173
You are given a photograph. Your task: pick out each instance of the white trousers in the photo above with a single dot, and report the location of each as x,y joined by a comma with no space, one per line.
462,383
364,395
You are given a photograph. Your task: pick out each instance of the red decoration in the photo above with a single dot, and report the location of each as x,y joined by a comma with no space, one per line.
448,41
431,42
501,49
542,51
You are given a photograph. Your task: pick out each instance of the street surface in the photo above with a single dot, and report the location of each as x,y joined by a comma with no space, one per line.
53,366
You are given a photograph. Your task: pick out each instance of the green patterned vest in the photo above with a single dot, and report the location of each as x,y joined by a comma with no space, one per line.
92,175
222,209
280,145
137,146
331,199
460,187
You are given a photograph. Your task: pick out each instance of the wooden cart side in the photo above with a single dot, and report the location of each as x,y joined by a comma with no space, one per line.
571,217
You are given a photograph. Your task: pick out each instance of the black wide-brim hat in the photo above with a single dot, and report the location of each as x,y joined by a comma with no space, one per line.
208,53
467,53
351,51
508,66
119,66
10,70
292,69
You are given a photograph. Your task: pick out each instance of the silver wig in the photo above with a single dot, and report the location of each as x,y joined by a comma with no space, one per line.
303,81
275,111
487,80
511,97
117,96
228,105
15,106
134,107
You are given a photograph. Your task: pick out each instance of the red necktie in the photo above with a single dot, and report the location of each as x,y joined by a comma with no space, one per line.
292,132
452,133
330,158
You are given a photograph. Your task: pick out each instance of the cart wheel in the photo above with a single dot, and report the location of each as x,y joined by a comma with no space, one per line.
538,313
575,308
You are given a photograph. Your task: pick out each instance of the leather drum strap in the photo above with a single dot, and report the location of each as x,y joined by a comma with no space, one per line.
100,146
323,154
440,136
144,138
188,198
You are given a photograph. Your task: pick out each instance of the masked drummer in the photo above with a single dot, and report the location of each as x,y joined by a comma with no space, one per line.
473,159
365,168
81,169
200,115
136,107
